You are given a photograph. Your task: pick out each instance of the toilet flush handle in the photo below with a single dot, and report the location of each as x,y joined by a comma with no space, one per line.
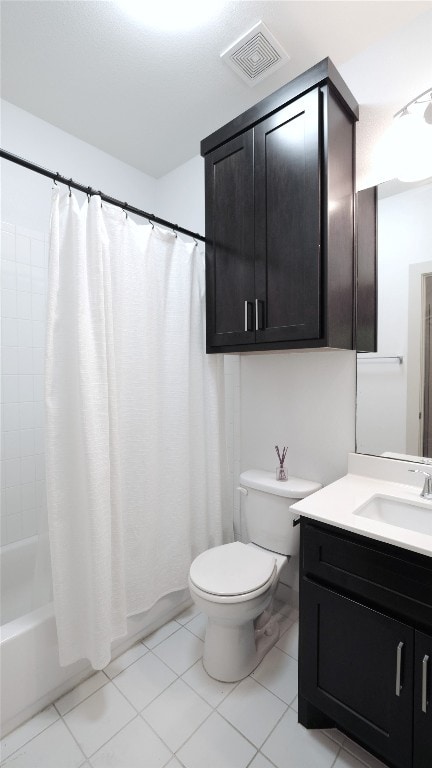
242,490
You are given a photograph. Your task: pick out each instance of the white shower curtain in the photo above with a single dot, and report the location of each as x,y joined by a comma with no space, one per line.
135,443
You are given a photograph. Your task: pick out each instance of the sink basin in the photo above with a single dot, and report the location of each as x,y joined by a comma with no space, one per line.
403,514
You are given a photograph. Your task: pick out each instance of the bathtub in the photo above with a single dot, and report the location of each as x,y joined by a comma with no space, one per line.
31,675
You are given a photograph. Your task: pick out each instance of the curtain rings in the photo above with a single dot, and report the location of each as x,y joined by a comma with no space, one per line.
150,222
174,230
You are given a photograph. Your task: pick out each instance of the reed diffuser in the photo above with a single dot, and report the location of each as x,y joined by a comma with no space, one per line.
281,473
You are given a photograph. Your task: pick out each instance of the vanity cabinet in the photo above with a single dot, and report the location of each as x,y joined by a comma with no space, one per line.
279,192
365,643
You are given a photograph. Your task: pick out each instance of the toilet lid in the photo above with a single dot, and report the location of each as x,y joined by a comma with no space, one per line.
232,569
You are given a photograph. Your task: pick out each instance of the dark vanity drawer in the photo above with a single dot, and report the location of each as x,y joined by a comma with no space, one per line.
381,574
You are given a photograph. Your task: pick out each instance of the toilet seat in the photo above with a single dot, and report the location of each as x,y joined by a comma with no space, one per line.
232,570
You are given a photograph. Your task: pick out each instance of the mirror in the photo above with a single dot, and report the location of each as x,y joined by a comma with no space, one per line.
394,385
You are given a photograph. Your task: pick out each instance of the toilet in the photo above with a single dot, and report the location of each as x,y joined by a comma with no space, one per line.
234,584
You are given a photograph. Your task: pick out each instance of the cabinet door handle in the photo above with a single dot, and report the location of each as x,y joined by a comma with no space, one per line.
398,668
424,683
248,315
259,307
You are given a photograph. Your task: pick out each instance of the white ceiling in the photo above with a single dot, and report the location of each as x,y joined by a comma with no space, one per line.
148,97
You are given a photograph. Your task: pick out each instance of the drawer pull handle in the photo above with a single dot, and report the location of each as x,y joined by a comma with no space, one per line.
424,683
398,668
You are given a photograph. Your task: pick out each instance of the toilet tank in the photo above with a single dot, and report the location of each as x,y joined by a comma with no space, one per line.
266,509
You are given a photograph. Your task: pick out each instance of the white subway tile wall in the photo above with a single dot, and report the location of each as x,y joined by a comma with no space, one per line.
24,277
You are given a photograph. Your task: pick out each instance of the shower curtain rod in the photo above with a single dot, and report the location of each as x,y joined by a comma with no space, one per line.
56,177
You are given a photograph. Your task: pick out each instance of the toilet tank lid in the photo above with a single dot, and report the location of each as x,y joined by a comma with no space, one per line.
294,487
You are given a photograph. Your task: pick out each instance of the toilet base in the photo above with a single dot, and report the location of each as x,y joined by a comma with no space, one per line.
231,653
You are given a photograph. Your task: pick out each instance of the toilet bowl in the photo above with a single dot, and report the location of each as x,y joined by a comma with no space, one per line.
234,584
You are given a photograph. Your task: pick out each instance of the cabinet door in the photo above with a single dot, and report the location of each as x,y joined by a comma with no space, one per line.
230,278
423,701
356,666
287,223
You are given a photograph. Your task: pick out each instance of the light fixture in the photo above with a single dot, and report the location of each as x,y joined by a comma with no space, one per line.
170,15
410,139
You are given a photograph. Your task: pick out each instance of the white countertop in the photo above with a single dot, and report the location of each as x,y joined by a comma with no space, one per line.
336,503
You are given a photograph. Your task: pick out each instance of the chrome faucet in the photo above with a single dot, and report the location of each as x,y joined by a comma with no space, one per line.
427,488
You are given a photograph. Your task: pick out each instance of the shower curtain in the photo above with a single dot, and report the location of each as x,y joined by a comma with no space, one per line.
135,443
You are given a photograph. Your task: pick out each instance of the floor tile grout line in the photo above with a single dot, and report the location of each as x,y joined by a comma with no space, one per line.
286,654
88,757
75,740
272,764
247,739
174,752
357,757
199,694
214,710
108,680
138,711
249,677
179,674
174,632
269,689
344,748
59,717
140,642
195,634
274,727
296,713
337,754
183,765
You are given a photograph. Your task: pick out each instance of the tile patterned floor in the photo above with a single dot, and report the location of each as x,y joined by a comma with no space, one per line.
155,707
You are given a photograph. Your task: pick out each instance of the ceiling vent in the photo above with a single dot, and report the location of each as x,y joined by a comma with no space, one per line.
255,55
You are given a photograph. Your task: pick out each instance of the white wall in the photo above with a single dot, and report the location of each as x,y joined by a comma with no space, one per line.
180,196
303,400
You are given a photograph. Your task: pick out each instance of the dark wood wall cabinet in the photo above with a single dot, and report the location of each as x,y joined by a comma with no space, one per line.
365,643
280,230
